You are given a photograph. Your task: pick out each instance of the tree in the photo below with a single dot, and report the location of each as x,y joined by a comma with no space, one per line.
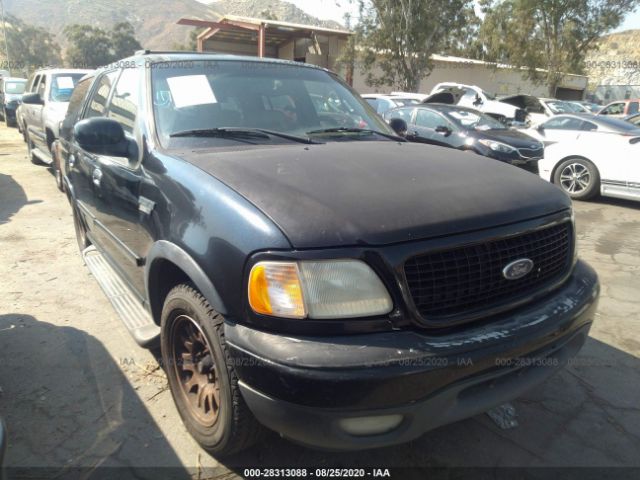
548,37
124,40
29,47
92,46
399,37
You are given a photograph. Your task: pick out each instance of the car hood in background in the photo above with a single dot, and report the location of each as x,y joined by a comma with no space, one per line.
529,102
448,96
377,193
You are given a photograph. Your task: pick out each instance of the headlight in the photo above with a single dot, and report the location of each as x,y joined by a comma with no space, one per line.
317,289
497,146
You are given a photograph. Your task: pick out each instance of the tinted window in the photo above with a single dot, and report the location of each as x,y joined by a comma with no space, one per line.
126,98
633,107
563,123
62,86
614,109
403,113
429,119
77,98
98,102
589,126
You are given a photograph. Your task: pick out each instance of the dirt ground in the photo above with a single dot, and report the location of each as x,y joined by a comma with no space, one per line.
76,391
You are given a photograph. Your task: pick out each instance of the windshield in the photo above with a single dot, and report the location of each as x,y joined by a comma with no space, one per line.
14,87
562,107
282,98
401,102
473,120
63,85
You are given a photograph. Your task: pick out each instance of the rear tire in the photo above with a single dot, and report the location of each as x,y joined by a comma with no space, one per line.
578,177
201,375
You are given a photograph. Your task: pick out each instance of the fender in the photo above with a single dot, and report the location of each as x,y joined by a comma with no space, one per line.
164,250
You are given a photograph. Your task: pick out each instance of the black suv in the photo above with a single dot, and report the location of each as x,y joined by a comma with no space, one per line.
305,269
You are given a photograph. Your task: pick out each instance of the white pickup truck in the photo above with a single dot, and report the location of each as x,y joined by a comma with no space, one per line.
473,96
44,105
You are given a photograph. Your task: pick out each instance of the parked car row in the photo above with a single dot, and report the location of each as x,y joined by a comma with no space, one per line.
583,153
304,268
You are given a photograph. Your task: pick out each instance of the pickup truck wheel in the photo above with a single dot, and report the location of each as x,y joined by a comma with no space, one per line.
201,376
578,177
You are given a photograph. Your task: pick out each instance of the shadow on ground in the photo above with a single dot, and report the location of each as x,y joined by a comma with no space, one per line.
69,410
12,198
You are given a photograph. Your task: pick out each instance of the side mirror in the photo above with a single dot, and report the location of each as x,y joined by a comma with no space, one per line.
446,131
103,136
32,99
540,128
399,126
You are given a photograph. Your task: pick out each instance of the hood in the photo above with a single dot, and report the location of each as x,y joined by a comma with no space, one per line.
526,102
377,193
511,137
449,96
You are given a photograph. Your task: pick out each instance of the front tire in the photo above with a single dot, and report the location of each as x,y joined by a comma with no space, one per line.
578,177
201,375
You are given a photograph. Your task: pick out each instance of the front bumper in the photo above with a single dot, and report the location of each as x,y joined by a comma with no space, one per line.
302,387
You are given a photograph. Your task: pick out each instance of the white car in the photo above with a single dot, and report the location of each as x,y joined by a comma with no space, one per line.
475,97
574,126
585,163
382,102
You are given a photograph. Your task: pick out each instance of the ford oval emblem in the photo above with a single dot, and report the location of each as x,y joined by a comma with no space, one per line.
517,269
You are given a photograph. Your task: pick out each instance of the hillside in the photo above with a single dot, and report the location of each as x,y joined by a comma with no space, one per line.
280,10
616,61
154,20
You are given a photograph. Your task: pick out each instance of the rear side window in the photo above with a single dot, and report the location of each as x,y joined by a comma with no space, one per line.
563,123
126,99
402,113
429,119
633,108
98,102
75,103
42,85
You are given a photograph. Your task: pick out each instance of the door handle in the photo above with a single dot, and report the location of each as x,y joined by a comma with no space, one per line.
97,177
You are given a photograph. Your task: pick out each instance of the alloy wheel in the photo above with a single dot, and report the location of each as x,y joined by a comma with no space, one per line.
575,178
194,367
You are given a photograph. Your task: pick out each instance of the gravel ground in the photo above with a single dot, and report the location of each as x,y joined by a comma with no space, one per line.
76,391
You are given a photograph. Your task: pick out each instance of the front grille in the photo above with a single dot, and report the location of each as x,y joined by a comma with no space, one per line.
467,280
531,153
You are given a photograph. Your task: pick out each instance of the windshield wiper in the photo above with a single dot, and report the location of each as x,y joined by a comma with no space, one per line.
355,130
239,132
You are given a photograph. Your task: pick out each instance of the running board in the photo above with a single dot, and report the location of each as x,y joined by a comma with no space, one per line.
44,157
134,316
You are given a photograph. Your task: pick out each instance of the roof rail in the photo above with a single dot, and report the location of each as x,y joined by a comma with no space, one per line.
149,52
